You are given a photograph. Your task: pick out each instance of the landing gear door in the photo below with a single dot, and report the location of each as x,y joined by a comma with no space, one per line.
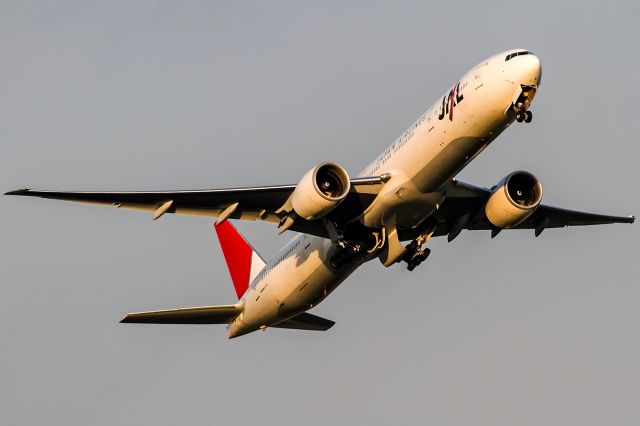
522,98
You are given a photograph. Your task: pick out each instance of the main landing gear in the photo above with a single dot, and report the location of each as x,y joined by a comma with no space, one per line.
415,256
354,244
346,252
525,116
414,253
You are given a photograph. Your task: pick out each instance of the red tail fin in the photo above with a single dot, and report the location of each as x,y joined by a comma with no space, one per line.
243,261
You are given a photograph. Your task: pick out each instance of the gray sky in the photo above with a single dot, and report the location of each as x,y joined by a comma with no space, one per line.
184,95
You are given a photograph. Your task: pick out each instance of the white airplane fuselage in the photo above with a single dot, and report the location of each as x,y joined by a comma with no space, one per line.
421,163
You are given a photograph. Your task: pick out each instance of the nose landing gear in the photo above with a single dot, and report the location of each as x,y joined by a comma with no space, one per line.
522,103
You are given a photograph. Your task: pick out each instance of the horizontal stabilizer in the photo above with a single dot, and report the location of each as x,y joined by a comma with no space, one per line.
306,321
222,314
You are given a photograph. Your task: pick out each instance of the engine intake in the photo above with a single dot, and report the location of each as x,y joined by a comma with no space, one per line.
514,199
320,191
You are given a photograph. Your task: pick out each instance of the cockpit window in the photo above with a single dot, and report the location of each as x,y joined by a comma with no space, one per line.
514,54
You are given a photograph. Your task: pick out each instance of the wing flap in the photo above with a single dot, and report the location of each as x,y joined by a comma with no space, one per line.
221,314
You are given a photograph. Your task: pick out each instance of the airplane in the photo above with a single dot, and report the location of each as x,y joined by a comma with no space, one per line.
408,194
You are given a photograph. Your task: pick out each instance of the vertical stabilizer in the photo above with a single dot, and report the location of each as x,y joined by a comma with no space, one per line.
243,261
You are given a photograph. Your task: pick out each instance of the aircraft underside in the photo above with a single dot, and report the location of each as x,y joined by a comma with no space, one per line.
405,197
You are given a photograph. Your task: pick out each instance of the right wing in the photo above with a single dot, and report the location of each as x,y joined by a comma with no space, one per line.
463,209
221,314
256,203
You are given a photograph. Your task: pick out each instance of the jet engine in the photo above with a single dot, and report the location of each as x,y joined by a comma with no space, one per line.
320,191
514,199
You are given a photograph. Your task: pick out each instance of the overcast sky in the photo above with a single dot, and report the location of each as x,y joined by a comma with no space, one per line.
151,95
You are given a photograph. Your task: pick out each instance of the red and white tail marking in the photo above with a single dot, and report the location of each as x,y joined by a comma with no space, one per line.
243,261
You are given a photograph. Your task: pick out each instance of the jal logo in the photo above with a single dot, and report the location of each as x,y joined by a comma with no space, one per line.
449,101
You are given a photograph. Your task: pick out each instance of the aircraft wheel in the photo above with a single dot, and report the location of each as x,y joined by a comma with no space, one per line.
424,255
519,117
354,249
528,116
336,261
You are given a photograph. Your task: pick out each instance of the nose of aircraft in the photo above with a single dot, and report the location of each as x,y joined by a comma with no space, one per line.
524,69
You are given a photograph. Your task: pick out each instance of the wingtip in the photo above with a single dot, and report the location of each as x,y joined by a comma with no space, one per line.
23,191
632,218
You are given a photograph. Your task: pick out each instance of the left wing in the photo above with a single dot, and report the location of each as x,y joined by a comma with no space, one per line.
256,203
463,208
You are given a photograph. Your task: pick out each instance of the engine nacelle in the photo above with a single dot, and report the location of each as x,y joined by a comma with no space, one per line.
320,191
514,199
